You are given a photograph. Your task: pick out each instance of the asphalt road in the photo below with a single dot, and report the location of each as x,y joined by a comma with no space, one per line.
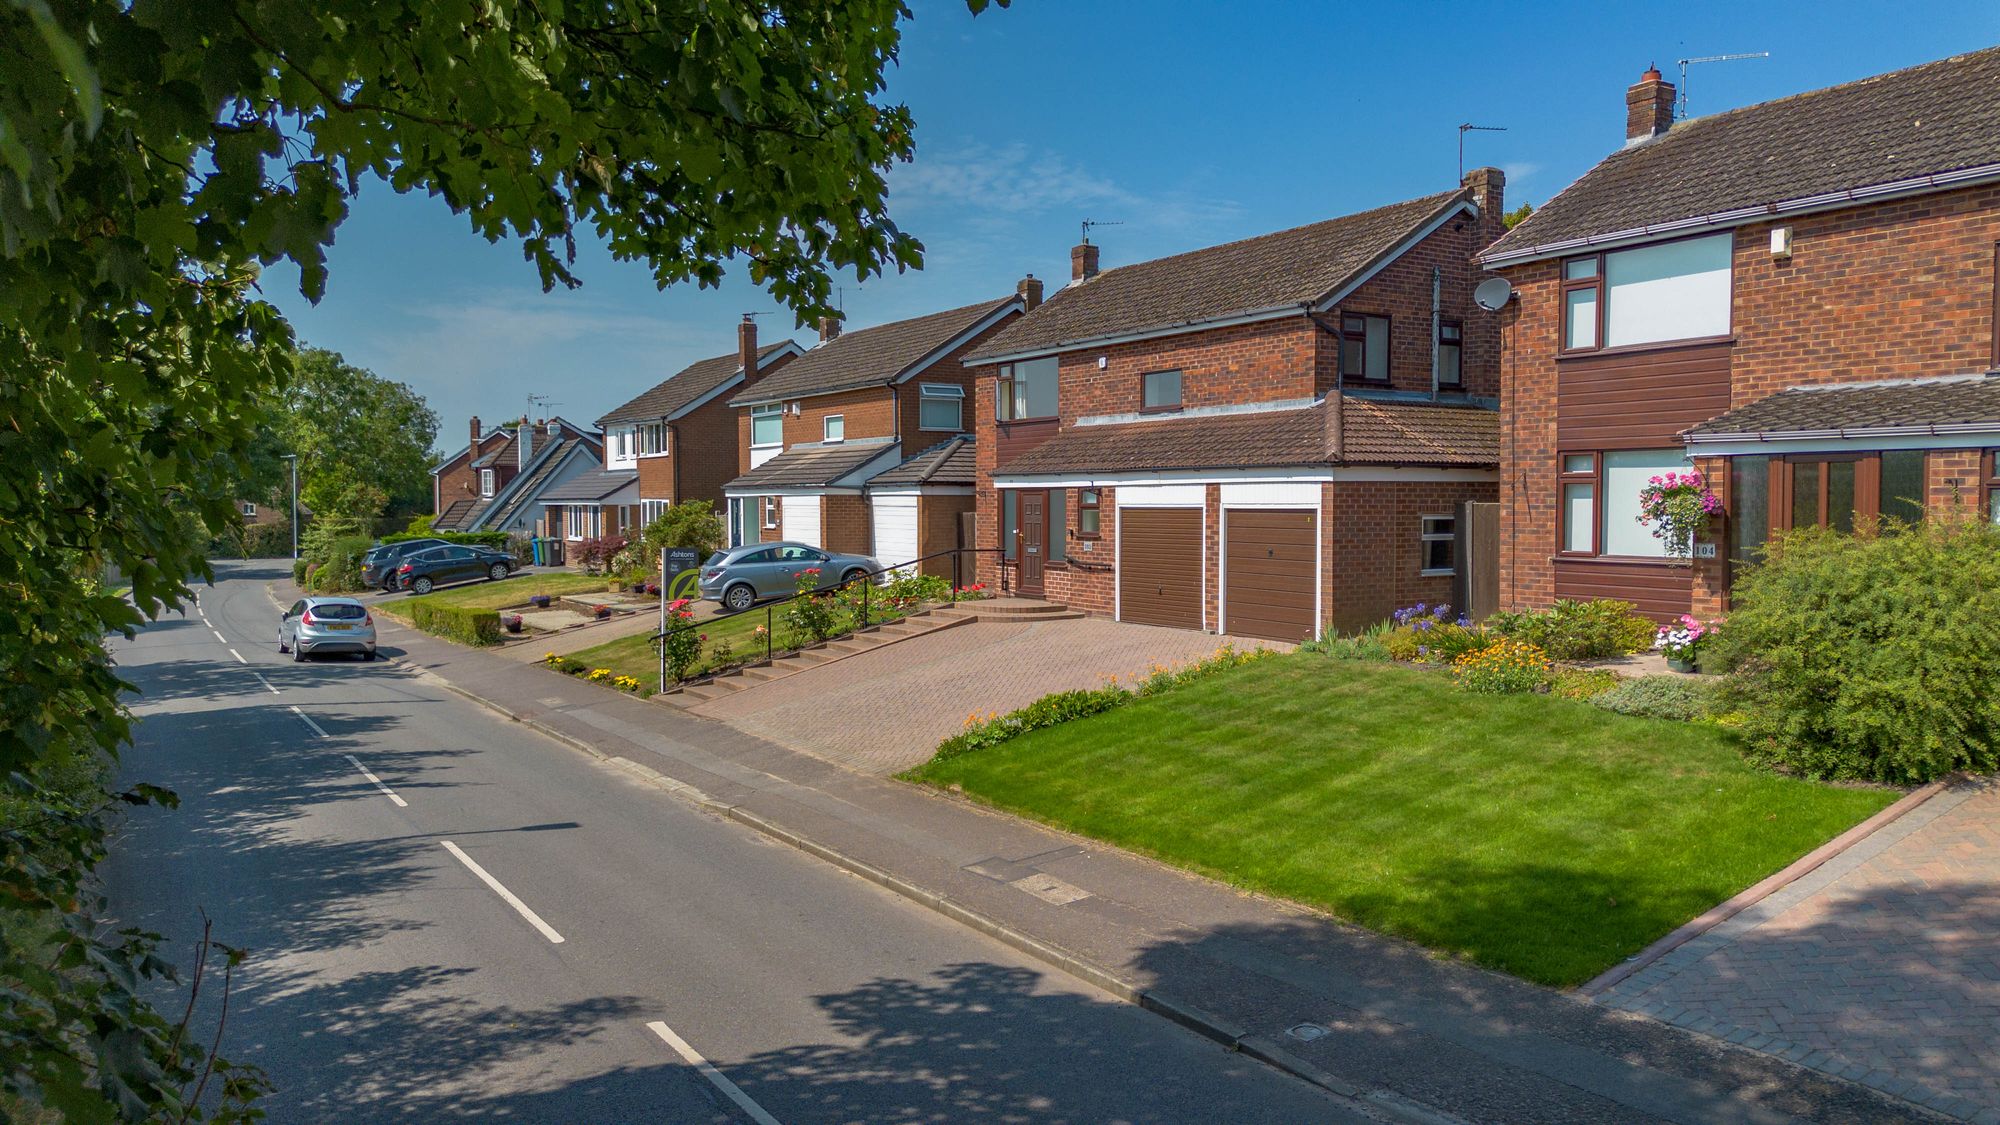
449,916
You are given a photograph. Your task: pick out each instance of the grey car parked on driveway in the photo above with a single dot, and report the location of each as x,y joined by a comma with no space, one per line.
743,576
315,626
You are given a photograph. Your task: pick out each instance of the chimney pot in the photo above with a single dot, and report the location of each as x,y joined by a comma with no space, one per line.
829,328
746,346
1082,262
1649,108
1030,291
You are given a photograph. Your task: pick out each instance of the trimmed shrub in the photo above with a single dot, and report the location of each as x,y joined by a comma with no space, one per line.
1047,711
1870,656
299,568
1504,667
1583,683
595,555
494,539
1579,630
456,623
1681,698
341,572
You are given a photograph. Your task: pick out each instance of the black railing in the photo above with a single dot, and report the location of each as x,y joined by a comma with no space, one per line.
769,607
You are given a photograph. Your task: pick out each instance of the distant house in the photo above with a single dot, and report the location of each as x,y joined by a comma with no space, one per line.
680,437
817,435
1263,438
1797,297
496,482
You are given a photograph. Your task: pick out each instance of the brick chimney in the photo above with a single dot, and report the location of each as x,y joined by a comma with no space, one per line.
1029,289
829,328
1489,191
476,431
1649,107
1082,262
746,346
524,443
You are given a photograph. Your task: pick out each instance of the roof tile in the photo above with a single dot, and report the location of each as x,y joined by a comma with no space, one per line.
1916,405
685,386
867,357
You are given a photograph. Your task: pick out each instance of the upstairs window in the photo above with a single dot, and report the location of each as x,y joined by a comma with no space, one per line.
767,424
486,482
1160,390
1648,295
1451,354
1026,390
833,428
941,406
249,510
1364,347
652,438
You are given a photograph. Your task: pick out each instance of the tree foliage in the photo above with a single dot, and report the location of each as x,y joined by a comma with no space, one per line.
353,429
155,153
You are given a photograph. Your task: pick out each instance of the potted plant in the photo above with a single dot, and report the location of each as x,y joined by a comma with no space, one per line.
512,622
539,601
1681,642
603,612
1678,506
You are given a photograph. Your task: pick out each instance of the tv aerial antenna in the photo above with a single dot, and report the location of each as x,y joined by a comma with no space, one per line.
539,402
1089,223
1469,127
1681,104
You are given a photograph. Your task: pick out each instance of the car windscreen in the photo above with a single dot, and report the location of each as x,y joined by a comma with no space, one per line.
715,559
339,611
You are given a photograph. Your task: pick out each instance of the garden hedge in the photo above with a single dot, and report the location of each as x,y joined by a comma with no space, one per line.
494,539
456,623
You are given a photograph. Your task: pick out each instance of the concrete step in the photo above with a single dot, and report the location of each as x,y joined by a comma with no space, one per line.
762,672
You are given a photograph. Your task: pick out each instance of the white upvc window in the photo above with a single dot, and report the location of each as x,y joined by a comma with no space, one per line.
621,445
650,510
249,510
651,439
941,407
771,512
767,424
833,428
486,483
1440,545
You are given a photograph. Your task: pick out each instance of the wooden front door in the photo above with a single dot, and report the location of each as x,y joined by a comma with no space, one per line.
1034,539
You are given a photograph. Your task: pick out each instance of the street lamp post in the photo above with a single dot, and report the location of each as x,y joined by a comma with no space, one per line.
294,459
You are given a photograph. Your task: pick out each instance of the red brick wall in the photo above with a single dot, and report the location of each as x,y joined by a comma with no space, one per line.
845,525
1402,292
1902,289
460,480
1373,546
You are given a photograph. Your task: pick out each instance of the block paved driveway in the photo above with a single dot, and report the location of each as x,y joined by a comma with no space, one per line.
887,709
1882,966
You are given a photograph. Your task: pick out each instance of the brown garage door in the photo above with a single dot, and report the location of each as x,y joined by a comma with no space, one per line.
1159,566
1268,573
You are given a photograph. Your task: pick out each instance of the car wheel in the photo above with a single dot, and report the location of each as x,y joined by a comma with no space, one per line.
739,597
851,575
298,654
497,571
420,585
368,655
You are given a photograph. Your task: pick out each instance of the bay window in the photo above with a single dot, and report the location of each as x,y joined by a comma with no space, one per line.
767,424
940,406
1026,390
1648,294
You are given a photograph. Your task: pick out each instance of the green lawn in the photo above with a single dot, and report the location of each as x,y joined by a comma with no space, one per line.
636,656
494,595
1543,837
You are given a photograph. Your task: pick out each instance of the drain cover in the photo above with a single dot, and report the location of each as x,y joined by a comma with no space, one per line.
1306,1032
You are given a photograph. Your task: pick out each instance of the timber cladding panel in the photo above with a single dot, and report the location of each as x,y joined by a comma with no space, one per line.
1160,566
1268,572
1641,399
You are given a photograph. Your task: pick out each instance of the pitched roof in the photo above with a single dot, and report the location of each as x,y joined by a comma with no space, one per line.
812,466
1964,403
1286,269
526,489
455,515
591,484
1938,117
1373,432
687,385
869,357
948,462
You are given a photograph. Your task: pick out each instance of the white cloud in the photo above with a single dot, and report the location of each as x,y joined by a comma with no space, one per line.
1015,180
1520,170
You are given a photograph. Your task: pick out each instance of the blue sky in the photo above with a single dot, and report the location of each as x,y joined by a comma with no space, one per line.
1192,123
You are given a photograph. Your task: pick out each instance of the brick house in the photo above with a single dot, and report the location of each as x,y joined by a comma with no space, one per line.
816,435
1798,298
495,481
1262,438
680,436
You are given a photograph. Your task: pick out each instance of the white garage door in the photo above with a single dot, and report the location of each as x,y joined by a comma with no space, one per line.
895,529
800,516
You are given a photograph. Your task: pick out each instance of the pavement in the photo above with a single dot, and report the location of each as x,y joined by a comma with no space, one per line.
1392,1031
1883,965
885,710
452,916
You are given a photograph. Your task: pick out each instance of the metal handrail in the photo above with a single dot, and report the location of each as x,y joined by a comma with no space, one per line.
770,606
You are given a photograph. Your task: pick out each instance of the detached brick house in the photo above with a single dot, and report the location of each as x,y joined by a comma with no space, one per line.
1797,297
496,482
1261,438
680,437
816,435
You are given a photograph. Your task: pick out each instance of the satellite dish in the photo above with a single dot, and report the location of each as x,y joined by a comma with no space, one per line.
1493,294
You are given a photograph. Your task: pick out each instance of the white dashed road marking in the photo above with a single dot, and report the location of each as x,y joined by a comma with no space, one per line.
238,656
386,791
708,1071
506,895
309,721
219,636
265,682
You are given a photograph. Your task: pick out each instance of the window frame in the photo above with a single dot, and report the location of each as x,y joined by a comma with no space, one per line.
770,516
1361,340
1594,477
1090,501
649,439
1180,391
1990,467
767,410
1005,385
827,426
928,393
249,509
1596,282
488,484
1426,536
1457,344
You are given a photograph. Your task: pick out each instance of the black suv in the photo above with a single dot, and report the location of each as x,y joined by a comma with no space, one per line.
378,566
420,572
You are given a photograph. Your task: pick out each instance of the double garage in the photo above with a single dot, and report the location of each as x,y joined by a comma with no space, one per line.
1269,547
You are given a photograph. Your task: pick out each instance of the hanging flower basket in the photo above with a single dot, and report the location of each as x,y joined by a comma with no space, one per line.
1678,507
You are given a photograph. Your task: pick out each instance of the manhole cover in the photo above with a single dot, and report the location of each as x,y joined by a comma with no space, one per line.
1306,1032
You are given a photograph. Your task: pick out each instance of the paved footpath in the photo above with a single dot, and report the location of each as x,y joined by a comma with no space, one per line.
1882,966
1395,1031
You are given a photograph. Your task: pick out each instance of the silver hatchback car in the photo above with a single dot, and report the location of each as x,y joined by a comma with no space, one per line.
740,577
315,626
